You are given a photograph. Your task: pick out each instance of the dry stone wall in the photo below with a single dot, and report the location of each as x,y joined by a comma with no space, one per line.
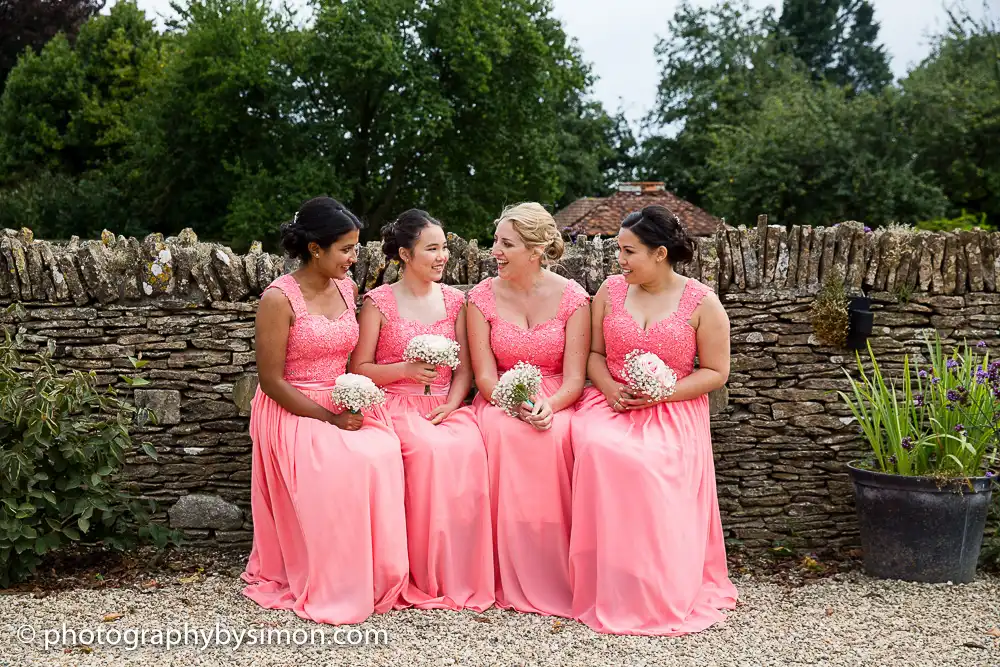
781,439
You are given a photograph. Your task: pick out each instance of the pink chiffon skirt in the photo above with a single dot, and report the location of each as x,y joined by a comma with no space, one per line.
329,527
448,529
647,555
531,502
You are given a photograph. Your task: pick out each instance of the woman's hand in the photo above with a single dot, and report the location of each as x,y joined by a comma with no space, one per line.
441,412
347,420
623,399
539,416
418,371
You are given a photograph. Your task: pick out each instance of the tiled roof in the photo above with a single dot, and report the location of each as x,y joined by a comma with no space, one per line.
605,218
569,215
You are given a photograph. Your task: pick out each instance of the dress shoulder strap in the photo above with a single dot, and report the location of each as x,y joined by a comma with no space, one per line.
694,292
288,286
482,296
574,296
346,287
617,291
454,299
383,299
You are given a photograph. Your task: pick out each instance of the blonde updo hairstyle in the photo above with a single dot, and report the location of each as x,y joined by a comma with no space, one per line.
537,229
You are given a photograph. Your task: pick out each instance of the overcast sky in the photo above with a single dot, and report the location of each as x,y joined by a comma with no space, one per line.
617,37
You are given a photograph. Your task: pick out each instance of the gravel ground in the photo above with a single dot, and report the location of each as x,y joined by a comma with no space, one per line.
845,619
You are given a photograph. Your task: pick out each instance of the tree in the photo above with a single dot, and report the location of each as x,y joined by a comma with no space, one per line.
30,24
717,66
226,108
815,155
66,118
837,42
951,104
459,107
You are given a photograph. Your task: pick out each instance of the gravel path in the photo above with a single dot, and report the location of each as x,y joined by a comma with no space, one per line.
847,619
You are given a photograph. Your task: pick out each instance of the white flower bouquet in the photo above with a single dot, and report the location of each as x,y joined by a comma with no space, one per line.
516,386
433,349
647,374
356,393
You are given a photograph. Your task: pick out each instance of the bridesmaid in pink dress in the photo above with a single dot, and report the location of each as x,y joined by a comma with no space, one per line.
647,555
327,487
533,315
447,484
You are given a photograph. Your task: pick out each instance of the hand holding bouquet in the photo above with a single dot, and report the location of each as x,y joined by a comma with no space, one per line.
649,376
433,349
356,393
517,386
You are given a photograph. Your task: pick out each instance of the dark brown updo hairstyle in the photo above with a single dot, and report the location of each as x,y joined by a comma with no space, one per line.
404,231
322,220
657,226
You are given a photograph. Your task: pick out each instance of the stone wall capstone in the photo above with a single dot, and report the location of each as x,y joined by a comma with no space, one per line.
781,439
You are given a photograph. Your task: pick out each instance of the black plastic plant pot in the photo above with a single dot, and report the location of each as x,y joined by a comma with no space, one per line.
921,528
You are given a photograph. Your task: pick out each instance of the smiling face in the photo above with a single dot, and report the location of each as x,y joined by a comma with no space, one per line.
335,261
512,255
640,263
429,255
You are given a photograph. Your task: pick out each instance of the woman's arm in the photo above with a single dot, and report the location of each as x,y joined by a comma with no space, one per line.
274,319
597,363
575,355
484,364
712,324
461,378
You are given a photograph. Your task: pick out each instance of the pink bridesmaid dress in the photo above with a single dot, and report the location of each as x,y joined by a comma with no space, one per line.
647,556
530,470
329,527
448,529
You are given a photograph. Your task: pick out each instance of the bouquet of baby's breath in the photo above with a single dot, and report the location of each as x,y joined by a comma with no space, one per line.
356,393
433,349
649,375
516,386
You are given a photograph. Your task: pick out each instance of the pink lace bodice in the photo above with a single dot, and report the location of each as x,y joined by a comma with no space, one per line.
672,339
318,347
397,331
542,345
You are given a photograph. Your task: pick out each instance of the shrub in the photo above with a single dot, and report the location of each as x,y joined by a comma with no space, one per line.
63,444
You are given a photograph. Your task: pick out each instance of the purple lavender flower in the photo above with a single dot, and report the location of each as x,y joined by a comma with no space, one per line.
918,400
892,459
868,230
935,380
959,428
922,374
906,443
952,363
989,473
953,395
981,343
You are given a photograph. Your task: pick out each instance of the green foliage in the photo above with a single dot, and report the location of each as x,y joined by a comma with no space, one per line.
837,42
814,154
951,106
27,25
63,445
966,221
939,420
717,65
